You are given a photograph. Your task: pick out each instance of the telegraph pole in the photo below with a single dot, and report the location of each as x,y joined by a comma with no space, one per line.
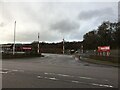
82,48
38,44
14,38
63,46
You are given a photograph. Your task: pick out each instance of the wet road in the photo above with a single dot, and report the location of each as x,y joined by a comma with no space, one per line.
57,71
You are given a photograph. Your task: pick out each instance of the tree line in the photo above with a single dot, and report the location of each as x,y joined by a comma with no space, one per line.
107,34
56,47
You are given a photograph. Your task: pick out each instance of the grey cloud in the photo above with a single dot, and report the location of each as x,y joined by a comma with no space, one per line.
44,18
86,15
2,24
119,11
32,36
64,26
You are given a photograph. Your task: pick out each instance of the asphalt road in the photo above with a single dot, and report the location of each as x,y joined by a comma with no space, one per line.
57,71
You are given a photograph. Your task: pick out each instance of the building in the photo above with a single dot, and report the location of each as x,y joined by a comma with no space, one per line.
8,48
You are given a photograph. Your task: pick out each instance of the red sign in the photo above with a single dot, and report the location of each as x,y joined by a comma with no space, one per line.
103,48
26,48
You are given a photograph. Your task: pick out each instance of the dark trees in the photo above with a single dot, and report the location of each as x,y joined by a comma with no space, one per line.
106,34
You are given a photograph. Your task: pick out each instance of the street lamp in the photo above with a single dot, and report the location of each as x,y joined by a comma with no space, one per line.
63,46
14,38
38,44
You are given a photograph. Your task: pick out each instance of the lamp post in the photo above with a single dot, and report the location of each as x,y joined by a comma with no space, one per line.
14,38
63,47
38,44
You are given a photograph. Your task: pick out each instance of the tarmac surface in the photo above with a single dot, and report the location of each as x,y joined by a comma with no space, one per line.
57,71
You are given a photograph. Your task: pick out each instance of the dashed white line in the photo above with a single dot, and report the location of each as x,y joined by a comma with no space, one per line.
39,76
53,78
63,75
45,73
85,77
3,72
102,85
75,81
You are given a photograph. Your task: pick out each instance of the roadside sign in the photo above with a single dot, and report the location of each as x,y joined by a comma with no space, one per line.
103,48
26,48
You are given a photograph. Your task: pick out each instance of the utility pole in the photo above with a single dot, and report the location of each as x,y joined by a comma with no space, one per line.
63,46
38,44
14,38
82,48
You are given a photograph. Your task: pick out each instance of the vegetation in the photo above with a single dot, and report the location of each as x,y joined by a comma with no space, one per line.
56,47
106,34
18,55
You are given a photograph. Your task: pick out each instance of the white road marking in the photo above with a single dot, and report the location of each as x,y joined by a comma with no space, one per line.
3,72
86,78
95,84
58,74
102,85
75,81
39,76
45,73
17,70
63,75
53,78
46,77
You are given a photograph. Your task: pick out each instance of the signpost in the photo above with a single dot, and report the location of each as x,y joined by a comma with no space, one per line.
26,48
104,50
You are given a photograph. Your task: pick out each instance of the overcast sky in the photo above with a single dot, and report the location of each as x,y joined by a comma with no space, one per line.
53,20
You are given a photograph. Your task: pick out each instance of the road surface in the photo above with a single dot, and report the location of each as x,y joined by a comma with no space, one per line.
57,71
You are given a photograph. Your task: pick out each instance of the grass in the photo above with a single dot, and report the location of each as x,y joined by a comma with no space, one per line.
100,62
103,60
17,55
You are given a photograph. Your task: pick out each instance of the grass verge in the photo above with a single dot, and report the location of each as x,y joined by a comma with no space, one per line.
11,56
112,61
